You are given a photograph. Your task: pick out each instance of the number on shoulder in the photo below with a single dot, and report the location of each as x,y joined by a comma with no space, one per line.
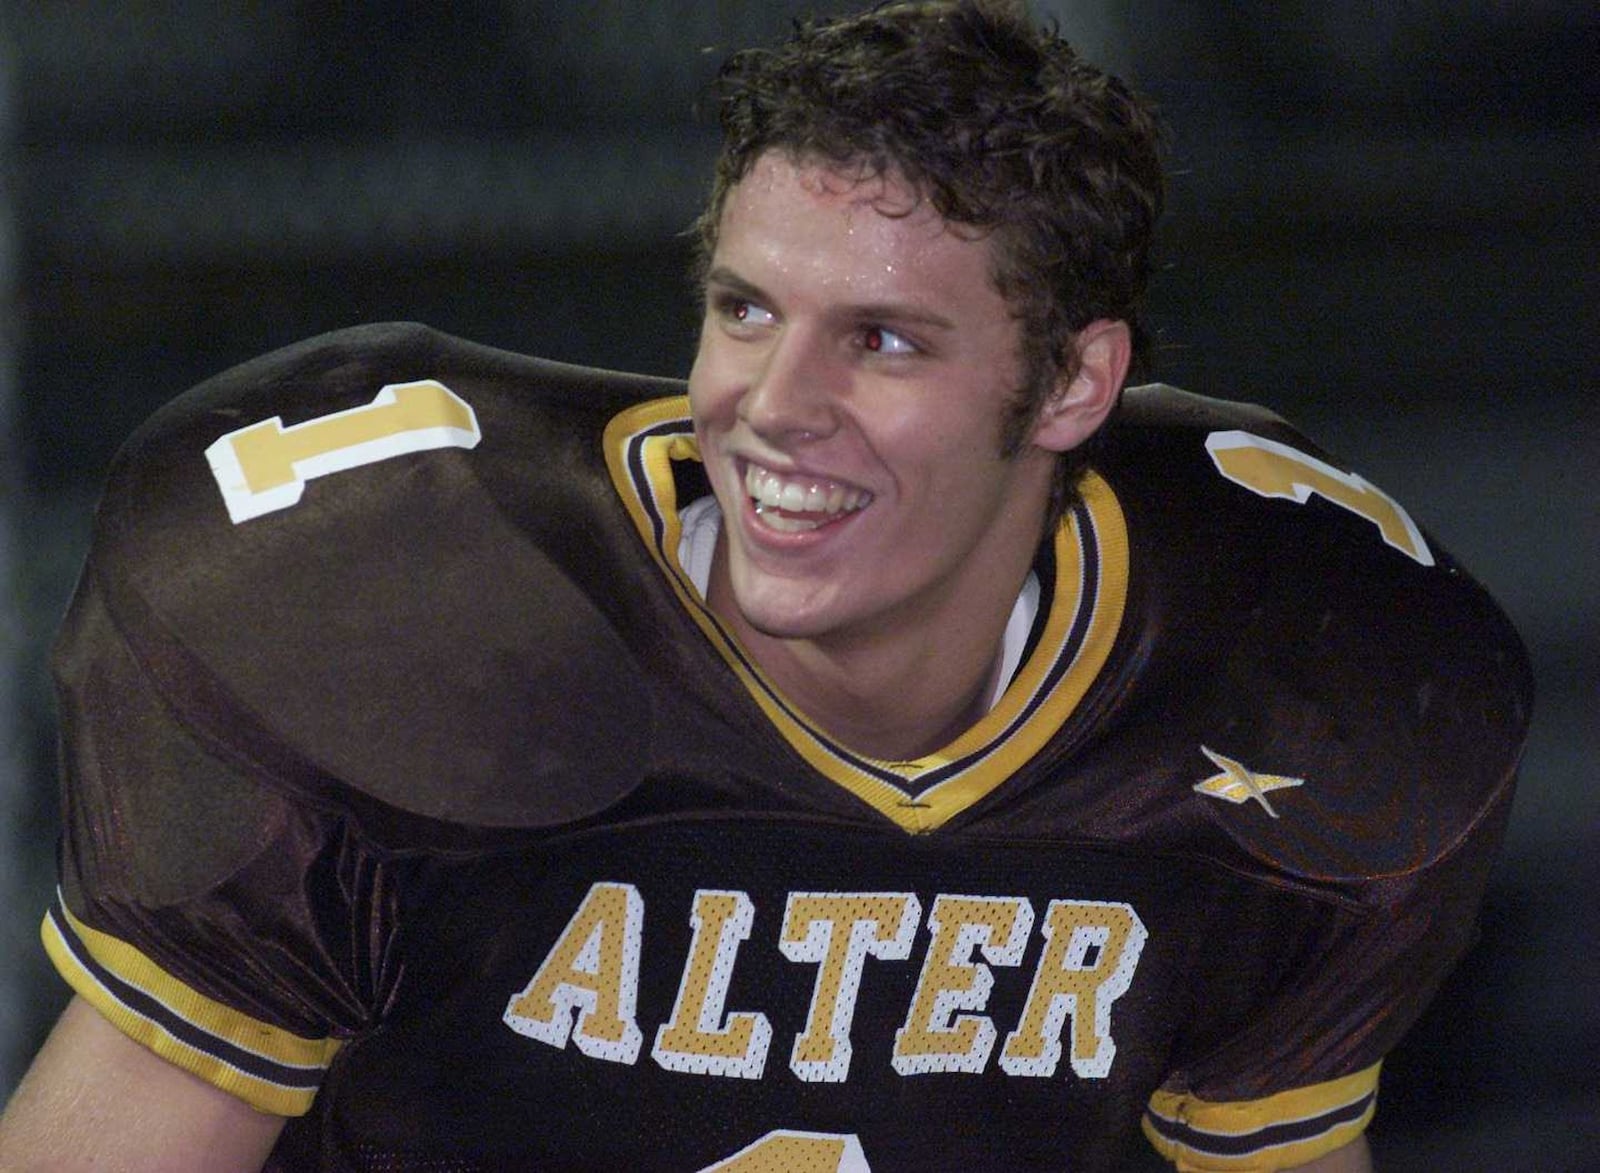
264,466
1271,469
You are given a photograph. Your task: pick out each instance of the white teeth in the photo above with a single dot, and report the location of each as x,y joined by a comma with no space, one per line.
771,492
785,524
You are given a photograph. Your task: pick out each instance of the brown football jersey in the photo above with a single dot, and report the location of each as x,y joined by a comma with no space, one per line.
412,791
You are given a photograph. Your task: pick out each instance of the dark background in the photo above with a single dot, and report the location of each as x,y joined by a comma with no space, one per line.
1382,225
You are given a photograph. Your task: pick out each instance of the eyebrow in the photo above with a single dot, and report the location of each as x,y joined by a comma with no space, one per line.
729,281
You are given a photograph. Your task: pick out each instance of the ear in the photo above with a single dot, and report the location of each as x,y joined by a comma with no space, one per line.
1081,401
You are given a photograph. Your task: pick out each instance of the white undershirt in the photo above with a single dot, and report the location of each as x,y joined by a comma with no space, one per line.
702,521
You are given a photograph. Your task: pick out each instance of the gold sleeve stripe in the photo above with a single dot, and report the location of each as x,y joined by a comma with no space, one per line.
269,1068
1259,1136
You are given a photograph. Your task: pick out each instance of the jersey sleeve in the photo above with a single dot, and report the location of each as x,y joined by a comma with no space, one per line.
1300,1078
234,932
1359,667
328,633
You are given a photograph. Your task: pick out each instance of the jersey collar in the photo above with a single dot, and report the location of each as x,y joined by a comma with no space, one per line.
1081,624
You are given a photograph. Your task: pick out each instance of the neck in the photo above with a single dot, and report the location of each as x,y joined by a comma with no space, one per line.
883,693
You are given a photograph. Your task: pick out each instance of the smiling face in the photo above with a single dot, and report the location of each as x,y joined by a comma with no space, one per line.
848,395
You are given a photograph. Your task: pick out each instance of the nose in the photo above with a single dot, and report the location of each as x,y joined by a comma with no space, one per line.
794,392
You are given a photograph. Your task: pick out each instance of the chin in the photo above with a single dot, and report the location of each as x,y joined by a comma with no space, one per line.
783,623
784,614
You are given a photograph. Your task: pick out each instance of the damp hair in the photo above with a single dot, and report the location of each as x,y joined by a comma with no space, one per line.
1002,127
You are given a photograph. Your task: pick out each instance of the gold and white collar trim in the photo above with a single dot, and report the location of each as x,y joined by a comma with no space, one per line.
1091,552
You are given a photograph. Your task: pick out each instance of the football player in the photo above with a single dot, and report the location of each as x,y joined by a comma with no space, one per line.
901,747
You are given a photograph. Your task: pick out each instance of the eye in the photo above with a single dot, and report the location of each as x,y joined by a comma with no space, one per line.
741,311
879,340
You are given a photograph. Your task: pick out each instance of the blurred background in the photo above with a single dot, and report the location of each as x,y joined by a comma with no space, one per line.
1382,224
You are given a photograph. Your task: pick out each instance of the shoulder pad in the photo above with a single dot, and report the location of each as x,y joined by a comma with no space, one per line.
1315,640
380,569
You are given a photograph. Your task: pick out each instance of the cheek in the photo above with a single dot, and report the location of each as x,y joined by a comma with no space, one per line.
962,448
702,365
716,378
708,398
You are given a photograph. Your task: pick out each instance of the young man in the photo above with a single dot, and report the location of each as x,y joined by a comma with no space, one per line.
879,760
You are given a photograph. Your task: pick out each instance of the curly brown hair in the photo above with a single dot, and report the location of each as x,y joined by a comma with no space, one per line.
1001,126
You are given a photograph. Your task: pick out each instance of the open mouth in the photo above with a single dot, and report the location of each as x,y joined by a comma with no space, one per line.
796,504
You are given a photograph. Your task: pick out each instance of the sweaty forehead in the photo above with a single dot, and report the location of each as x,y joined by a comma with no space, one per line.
852,189
822,214
887,192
